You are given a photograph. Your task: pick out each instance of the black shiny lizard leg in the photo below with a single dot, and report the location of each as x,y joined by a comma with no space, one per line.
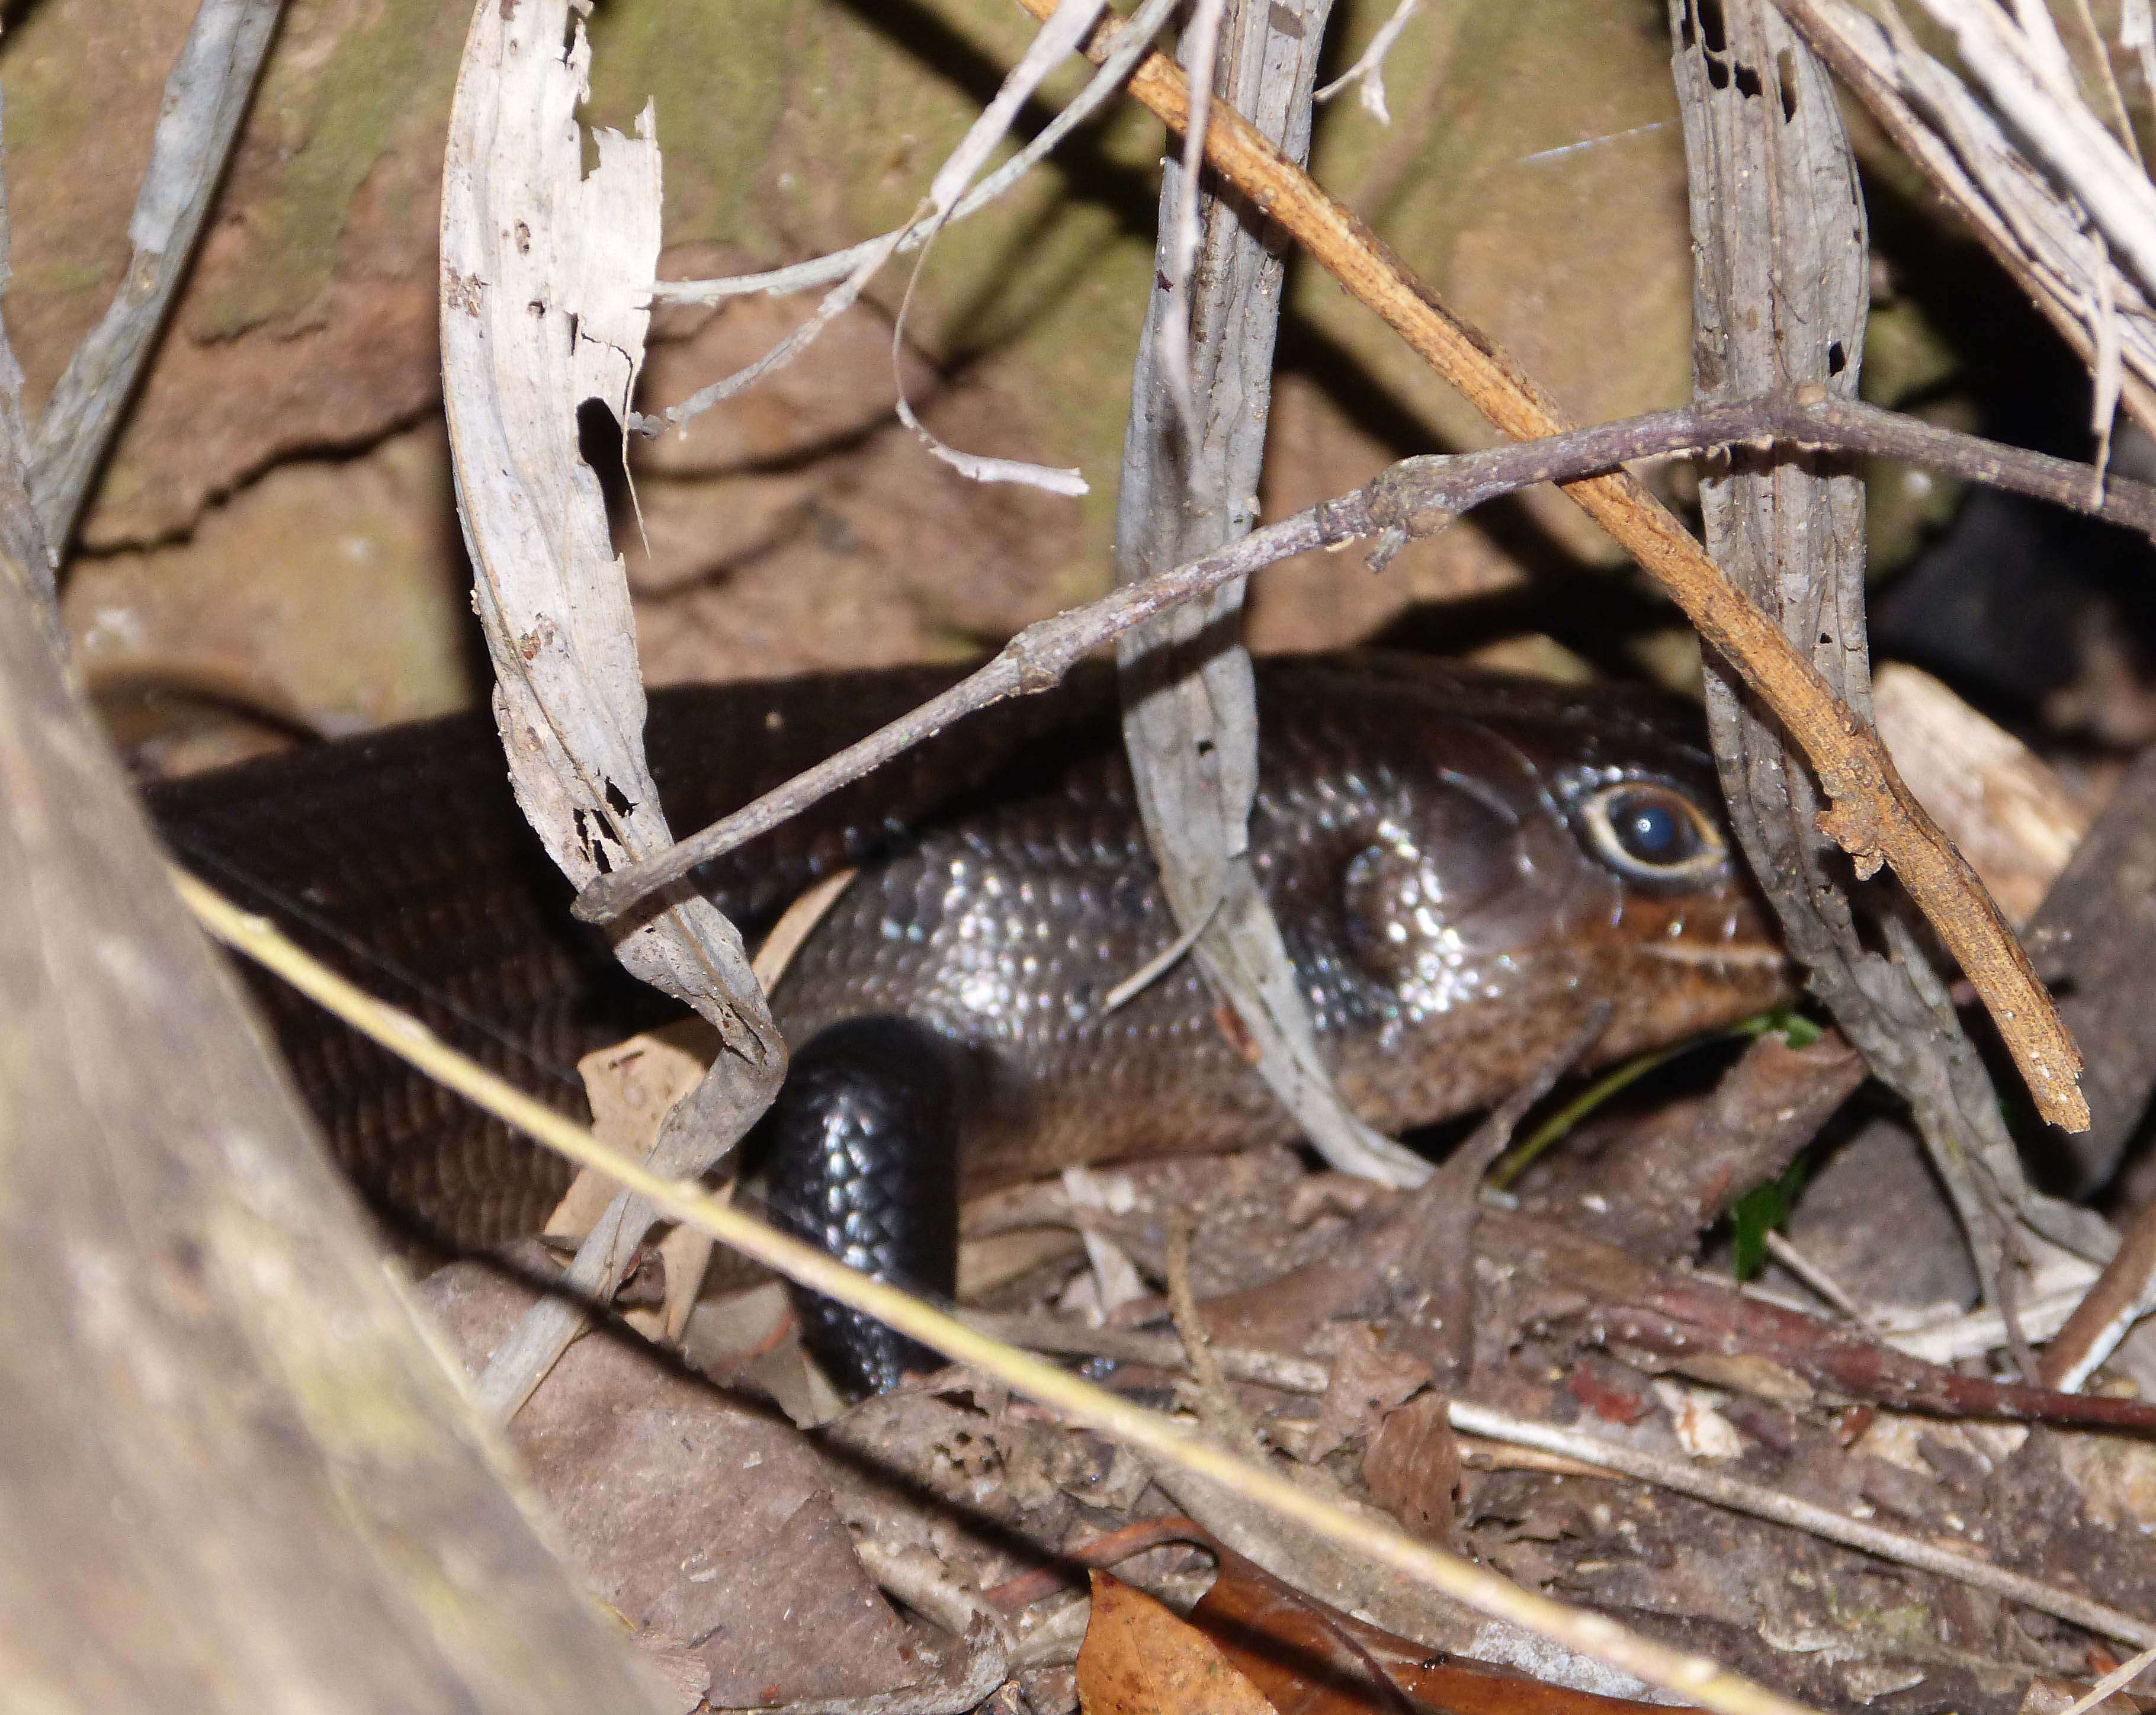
860,1153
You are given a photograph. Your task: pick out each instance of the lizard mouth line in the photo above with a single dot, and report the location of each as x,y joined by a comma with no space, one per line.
1755,954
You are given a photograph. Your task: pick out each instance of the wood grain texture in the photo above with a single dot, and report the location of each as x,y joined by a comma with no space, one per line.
237,1478
1779,304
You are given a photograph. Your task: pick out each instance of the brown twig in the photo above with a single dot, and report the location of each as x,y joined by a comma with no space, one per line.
1688,1477
1415,497
205,98
1872,814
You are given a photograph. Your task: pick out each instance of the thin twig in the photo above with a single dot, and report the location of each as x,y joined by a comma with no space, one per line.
1692,1678
1146,23
1415,497
205,98
1873,816
1062,28
1418,496
1368,73
1817,1278
1687,1478
2116,1300
1216,1406
1073,20
1065,1334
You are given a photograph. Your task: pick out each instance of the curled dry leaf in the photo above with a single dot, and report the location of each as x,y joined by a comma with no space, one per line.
1412,1467
1369,1380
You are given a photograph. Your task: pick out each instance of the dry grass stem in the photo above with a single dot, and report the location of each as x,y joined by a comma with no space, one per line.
1692,1678
1146,23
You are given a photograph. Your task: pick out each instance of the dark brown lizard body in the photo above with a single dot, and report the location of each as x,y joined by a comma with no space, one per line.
1462,866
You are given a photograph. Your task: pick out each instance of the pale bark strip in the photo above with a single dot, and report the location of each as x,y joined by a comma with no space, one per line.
546,275
205,98
1778,304
237,1478
25,553
1190,721
2039,236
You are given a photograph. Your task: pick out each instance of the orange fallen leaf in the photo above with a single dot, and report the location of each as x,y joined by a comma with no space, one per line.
1309,1659
1139,1659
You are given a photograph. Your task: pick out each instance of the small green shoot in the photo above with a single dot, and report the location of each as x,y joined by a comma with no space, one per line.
1761,1210
1792,1026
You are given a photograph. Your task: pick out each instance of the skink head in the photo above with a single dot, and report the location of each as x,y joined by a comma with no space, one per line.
1506,854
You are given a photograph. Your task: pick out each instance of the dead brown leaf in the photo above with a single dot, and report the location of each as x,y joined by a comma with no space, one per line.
1139,1659
1412,1467
1369,1380
1309,1659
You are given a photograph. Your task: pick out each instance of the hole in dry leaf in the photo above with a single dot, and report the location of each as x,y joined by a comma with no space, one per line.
619,802
1837,359
593,838
598,444
1785,74
1712,29
1688,29
1747,81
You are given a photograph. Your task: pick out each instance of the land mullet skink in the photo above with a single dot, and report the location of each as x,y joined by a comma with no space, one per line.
1462,866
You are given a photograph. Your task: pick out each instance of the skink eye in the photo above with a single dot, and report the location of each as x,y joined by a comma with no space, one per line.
1653,832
